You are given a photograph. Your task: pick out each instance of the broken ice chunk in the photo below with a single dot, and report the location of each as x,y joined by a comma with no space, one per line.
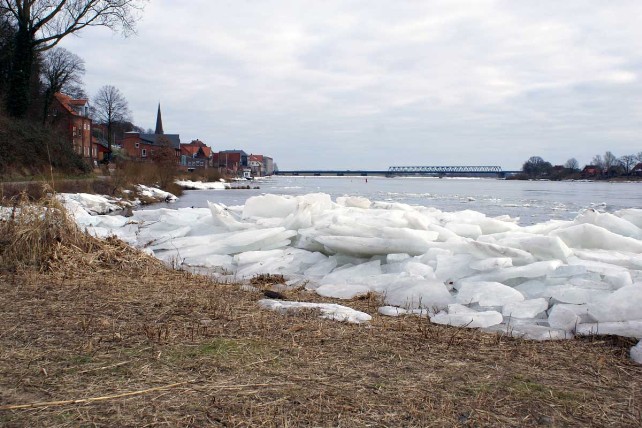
531,331
610,222
414,292
492,263
487,293
328,310
269,206
525,309
392,311
591,236
457,316
342,291
563,318
354,201
624,304
618,328
636,353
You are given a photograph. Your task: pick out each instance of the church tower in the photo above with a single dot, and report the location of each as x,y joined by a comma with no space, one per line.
159,122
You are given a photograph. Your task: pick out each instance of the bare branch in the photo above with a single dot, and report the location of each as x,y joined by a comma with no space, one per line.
50,21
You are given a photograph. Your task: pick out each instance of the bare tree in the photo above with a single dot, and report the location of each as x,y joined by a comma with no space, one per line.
62,71
110,108
7,33
572,164
610,160
639,156
598,162
536,167
41,24
166,162
628,163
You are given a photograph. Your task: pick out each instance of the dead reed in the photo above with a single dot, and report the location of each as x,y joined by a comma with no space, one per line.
41,235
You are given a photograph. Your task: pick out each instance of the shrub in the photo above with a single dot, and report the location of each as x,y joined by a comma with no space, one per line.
27,148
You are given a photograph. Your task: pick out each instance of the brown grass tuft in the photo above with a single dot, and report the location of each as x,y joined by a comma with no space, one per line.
41,235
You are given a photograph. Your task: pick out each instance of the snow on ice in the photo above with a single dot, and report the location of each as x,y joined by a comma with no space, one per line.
328,310
199,185
152,192
545,281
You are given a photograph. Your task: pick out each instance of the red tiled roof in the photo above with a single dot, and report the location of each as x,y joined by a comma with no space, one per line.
67,102
198,143
189,149
193,147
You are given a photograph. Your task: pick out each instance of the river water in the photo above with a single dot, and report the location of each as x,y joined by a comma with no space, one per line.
531,201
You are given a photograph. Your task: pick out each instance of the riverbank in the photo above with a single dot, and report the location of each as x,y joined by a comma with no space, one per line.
95,332
151,344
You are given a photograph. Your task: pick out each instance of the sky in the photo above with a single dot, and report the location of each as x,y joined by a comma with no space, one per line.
343,84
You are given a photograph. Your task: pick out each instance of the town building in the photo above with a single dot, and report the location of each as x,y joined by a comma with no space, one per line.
71,116
268,166
260,165
147,147
591,170
196,155
256,165
231,162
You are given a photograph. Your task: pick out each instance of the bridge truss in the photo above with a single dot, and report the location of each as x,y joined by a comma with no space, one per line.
445,169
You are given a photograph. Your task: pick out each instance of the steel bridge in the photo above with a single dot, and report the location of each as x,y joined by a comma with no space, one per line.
445,169
393,171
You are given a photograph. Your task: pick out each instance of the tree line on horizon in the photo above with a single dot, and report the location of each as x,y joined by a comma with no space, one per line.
601,166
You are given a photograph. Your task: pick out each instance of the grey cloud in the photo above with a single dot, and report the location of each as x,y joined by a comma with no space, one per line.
375,83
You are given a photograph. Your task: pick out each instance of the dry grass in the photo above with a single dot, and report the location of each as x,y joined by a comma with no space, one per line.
42,236
101,335
204,174
39,187
129,173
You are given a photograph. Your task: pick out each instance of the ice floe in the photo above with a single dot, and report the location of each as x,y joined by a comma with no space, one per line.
200,185
549,280
328,310
80,204
153,192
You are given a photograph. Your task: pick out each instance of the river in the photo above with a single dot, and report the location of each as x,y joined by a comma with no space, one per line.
531,201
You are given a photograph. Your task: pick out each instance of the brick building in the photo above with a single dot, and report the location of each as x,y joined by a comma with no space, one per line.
146,147
196,155
71,116
231,162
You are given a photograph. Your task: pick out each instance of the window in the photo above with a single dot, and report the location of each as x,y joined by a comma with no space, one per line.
136,145
144,153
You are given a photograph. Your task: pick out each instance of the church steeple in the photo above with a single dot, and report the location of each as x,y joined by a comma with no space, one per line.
159,122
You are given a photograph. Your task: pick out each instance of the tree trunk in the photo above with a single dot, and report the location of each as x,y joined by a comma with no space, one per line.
109,137
47,104
20,75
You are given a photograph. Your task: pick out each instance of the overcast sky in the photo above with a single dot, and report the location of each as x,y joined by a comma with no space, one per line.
371,84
